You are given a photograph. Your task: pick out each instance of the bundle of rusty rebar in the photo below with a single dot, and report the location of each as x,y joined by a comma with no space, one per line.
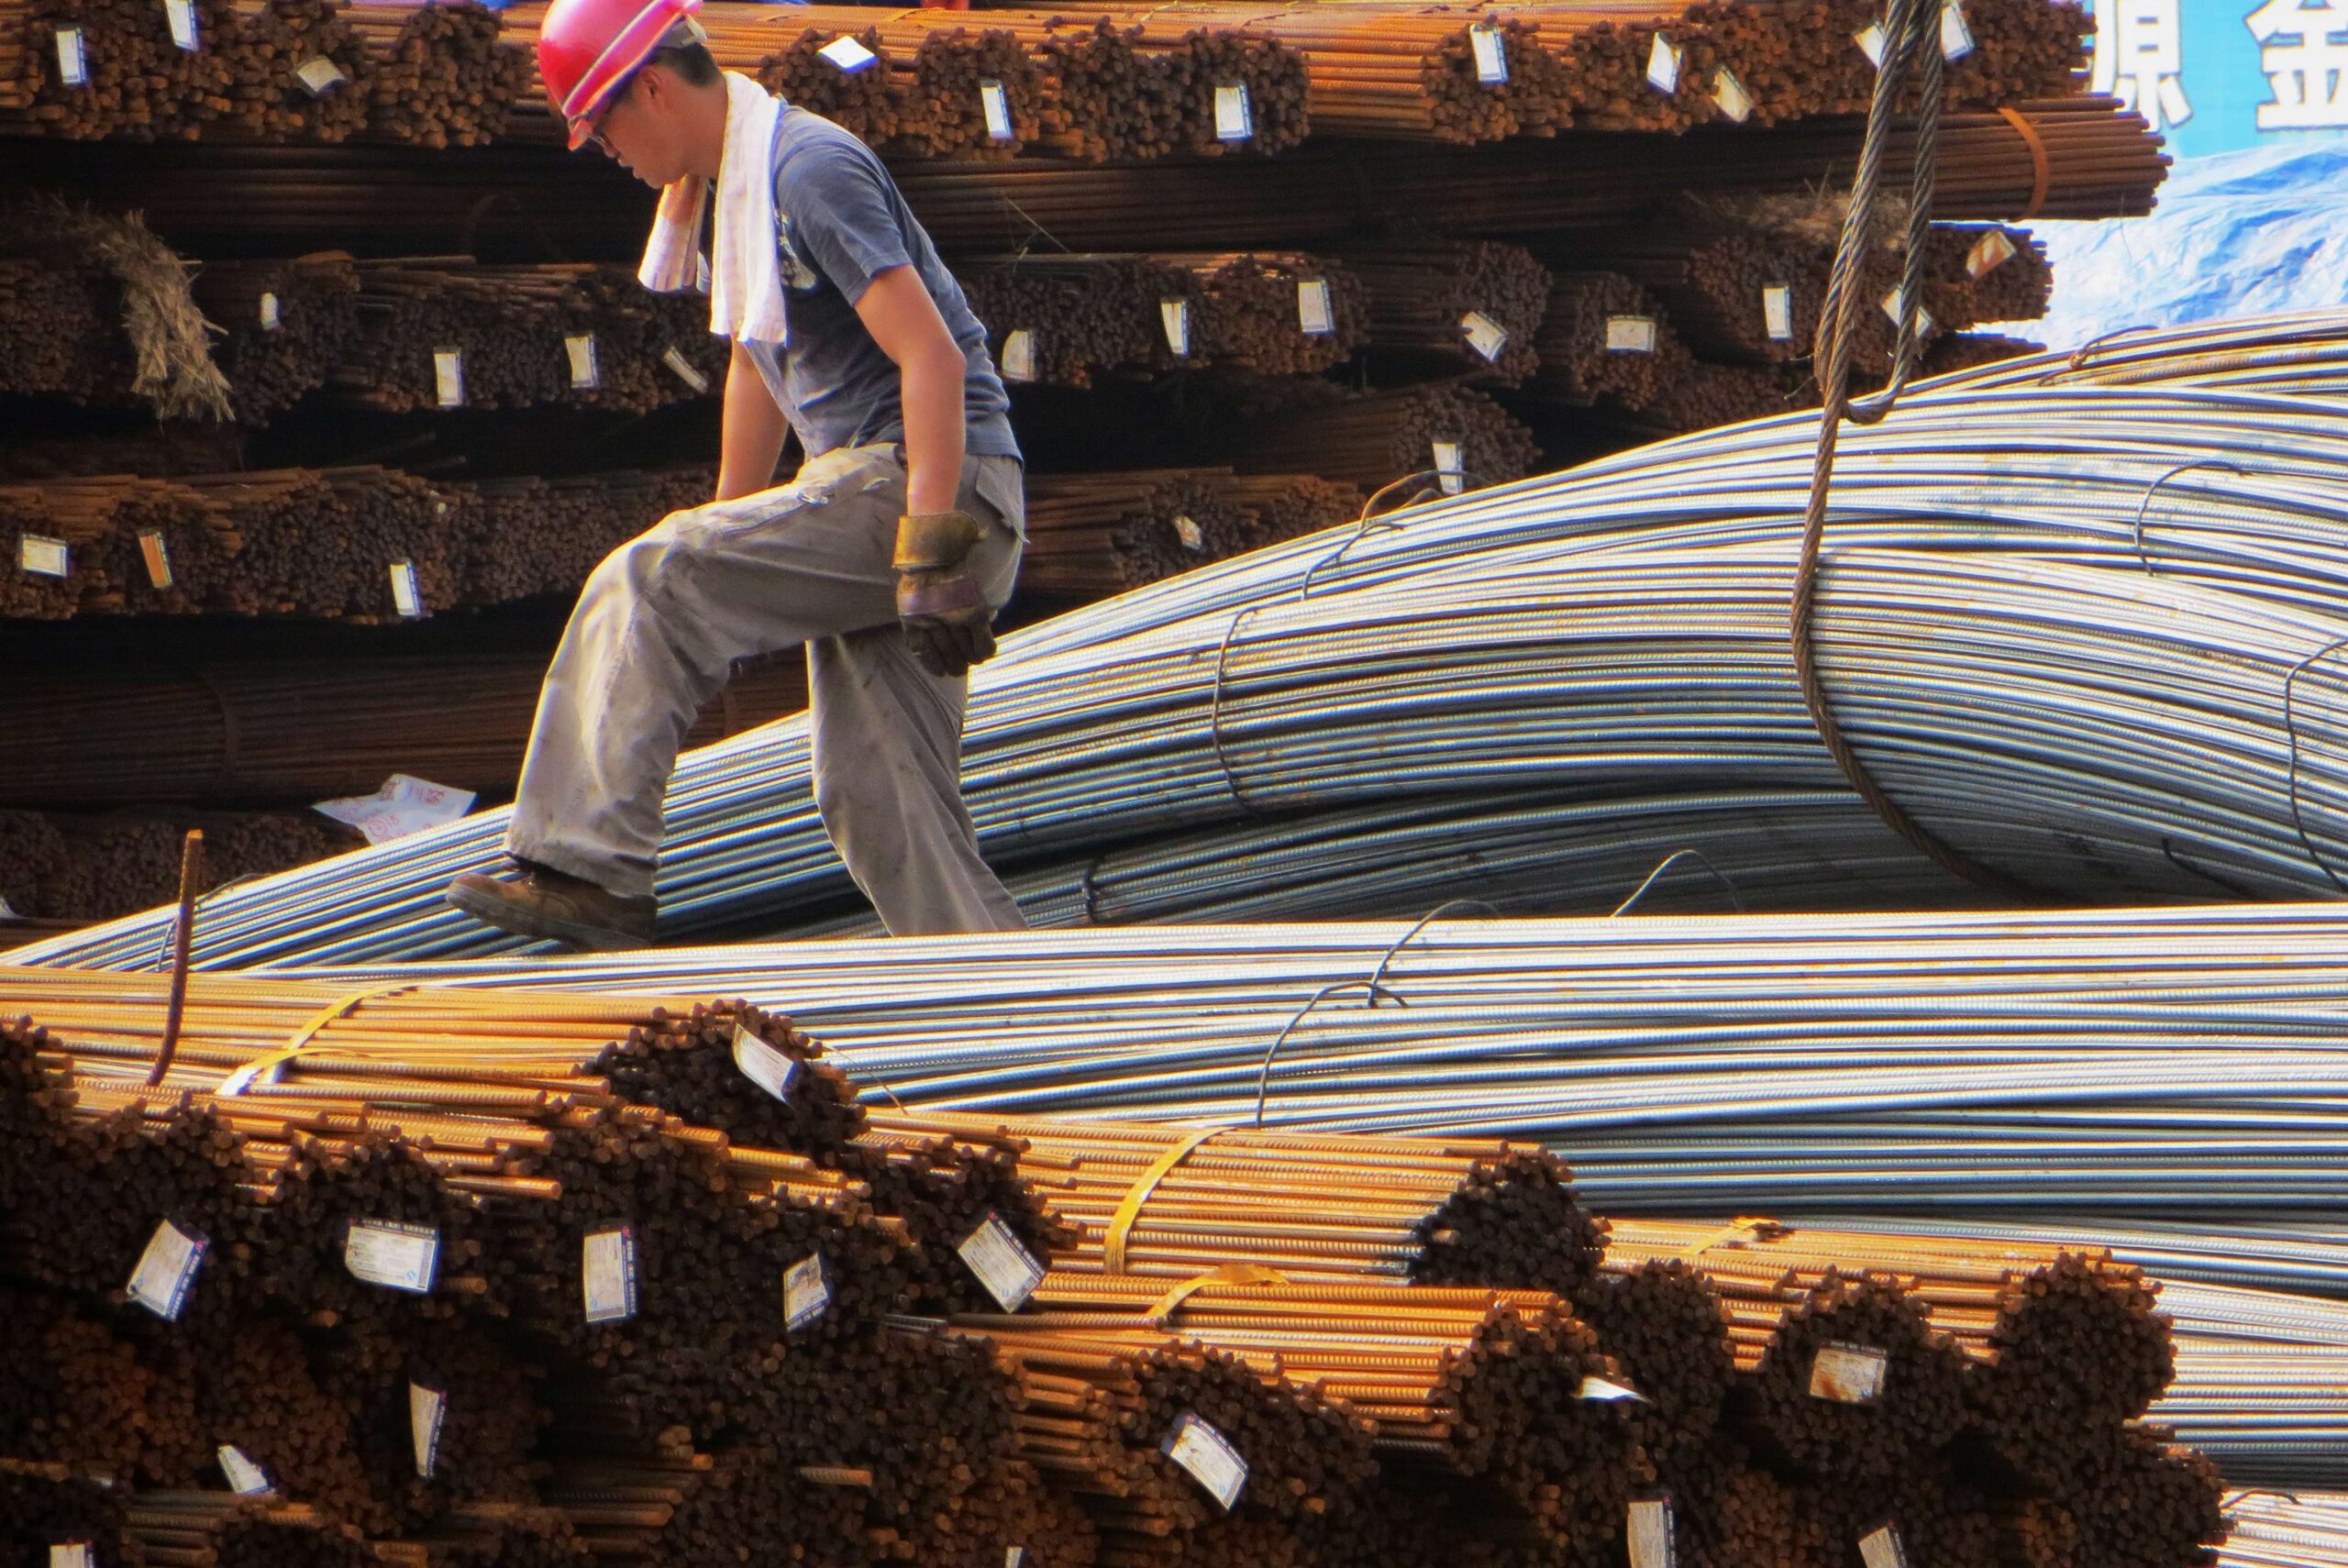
1462,307
1454,435
446,332
290,734
284,326
61,333
445,76
82,869
1090,536
1606,342
527,537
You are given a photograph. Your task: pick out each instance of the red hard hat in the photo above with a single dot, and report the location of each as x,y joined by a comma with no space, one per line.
588,48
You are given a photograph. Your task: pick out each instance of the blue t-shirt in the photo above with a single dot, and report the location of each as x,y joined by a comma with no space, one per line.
840,221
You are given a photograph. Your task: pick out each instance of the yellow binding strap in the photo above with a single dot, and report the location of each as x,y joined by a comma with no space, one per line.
1227,1274
263,1070
1120,1225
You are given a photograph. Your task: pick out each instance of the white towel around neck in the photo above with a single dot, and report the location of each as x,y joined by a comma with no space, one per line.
746,295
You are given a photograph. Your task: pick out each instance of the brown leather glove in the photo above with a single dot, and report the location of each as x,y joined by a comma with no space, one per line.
947,622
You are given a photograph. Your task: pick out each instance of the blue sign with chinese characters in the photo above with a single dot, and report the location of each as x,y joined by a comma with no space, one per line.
2218,75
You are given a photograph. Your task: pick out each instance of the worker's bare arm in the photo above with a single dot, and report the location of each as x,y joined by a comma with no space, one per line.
751,441
903,320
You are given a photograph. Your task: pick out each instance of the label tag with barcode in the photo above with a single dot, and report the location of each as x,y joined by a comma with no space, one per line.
1607,1391
72,57
1870,43
1235,120
427,1409
806,1292
449,377
763,1065
1663,65
849,55
273,314
1881,1548
1194,537
1019,355
1008,1270
1989,252
1485,335
1649,1530
1174,315
585,375
1778,311
1014,1557
1492,53
1630,335
1314,316
155,551
1956,34
1848,1374
684,368
607,1274
406,598
166,1270
1208,1455
395,1256
246,1478
1924,317
180,16
1449,470
319,75
995,104
72,1555
45,556
1735,104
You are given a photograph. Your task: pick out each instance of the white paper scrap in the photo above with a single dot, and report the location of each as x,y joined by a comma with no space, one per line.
849,55
405,804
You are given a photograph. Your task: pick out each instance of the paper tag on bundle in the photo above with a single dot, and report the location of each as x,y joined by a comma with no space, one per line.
1871,43
1923,317
763,1065
406,598
319,75
405,804
1174,315
1490,51
1235,120
45,556
72,57
1778,312
1956,34
847,54
70,1554
1663,65
1881,1549
156,552
1212,1462
1449,471
585,374
245,1478
1485,335
395,1256
1630,335
180,16
449,377
273,314
166,1270
1014,1557
806,1292
1315,317
1194,537
1848,1374
1007,1269
685,369
427,1409
1606,1390
995,104
1734,103
607,1274
1651,1533
1019,355
1989,252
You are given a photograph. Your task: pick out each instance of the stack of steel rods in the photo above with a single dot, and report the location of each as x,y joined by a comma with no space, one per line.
1090,536
527,537
285,327
2298,1528
448,333
61,334
1466,307
1606,342
445,74
92,869
279,734
1456,437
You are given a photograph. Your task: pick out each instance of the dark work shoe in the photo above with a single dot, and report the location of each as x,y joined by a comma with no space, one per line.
542,903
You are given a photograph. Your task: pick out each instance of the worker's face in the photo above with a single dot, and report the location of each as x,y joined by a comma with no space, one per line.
643,129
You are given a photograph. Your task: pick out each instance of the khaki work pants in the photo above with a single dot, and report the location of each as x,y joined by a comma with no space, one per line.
656,634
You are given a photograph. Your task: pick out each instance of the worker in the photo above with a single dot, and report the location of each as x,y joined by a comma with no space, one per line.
887,555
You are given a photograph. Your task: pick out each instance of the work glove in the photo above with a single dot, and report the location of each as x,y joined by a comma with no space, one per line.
946,617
